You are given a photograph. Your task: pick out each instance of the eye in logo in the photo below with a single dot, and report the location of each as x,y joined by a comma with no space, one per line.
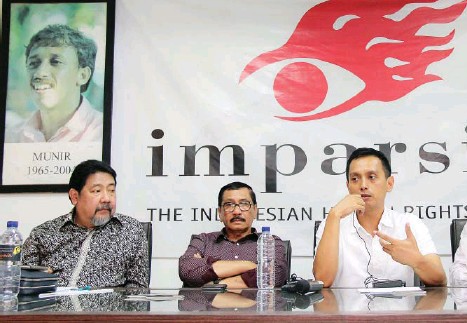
367,39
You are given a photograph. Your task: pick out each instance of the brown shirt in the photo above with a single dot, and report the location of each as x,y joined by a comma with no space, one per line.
214,246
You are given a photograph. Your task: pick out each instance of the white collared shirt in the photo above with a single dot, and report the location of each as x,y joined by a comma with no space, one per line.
86,125
356,245
458,270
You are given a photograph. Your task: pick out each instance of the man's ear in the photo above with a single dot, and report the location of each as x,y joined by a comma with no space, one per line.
221,216
84,74
73,195
390,183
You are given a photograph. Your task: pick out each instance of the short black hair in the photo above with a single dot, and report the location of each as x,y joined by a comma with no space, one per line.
235,186
85,169
61,36
364,152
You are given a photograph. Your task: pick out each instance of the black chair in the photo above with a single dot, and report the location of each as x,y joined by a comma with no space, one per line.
288,256
317,223
457,225
147,227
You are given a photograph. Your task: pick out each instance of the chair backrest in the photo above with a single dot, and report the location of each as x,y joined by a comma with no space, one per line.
317,223
457,225
288,256
147,227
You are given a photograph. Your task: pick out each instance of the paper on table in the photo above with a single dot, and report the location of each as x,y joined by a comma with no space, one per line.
399,291
154,297
67,291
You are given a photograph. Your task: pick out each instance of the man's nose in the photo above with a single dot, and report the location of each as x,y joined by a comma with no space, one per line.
105,196
363,185
236,209
42,70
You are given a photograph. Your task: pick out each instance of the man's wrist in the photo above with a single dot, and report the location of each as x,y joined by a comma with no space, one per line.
334,213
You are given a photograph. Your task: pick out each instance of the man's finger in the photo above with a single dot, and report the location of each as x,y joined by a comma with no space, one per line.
383,243
385,237
408,231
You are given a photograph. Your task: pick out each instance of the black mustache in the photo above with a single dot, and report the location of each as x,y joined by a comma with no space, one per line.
237,218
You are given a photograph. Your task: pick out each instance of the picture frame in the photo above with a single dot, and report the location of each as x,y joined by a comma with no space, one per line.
55,91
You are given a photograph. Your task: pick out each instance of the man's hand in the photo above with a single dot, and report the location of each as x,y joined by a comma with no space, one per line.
405,251
350,203
327,254
230,268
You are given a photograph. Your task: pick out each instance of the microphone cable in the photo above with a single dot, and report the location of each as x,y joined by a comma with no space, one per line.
370,279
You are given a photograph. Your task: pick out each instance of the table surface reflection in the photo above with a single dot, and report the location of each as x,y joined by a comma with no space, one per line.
193,304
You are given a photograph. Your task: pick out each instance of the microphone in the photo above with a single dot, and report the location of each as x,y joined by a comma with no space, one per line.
302,286
295,300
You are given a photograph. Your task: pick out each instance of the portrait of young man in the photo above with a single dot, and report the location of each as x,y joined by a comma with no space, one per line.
60,62
57,102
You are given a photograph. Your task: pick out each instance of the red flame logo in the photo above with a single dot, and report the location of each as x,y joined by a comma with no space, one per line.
359,36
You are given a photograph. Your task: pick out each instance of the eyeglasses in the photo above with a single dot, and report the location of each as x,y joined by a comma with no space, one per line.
230,207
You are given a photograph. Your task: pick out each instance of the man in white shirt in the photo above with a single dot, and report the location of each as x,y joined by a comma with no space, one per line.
458,270
458,273
362,242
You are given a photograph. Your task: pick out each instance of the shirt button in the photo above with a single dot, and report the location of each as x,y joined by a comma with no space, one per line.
236,257
238,244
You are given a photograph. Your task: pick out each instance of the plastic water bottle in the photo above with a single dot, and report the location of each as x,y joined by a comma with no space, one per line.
265,300
265,271
11,243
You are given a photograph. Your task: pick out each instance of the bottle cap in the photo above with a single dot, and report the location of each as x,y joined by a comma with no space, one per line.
12,224
265,229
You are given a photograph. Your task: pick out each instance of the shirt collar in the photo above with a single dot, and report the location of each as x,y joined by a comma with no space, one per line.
74,125
81,116
222,235
384,221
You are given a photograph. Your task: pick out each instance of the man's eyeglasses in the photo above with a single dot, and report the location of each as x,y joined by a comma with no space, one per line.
230,207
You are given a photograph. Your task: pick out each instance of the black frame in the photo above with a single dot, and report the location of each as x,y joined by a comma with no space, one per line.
107,90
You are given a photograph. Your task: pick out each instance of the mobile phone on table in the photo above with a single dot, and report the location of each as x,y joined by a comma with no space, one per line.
215,288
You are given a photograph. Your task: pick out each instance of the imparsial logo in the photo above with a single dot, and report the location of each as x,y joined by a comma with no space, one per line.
378,42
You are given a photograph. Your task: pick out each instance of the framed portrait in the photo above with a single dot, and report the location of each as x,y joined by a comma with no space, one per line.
55,90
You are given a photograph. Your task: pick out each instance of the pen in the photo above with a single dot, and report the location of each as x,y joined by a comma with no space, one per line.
67,291
81,288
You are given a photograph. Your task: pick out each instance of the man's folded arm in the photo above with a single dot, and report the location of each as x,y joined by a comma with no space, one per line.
229,268
194,269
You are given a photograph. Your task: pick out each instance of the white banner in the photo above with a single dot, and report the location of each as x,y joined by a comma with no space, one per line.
276,94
